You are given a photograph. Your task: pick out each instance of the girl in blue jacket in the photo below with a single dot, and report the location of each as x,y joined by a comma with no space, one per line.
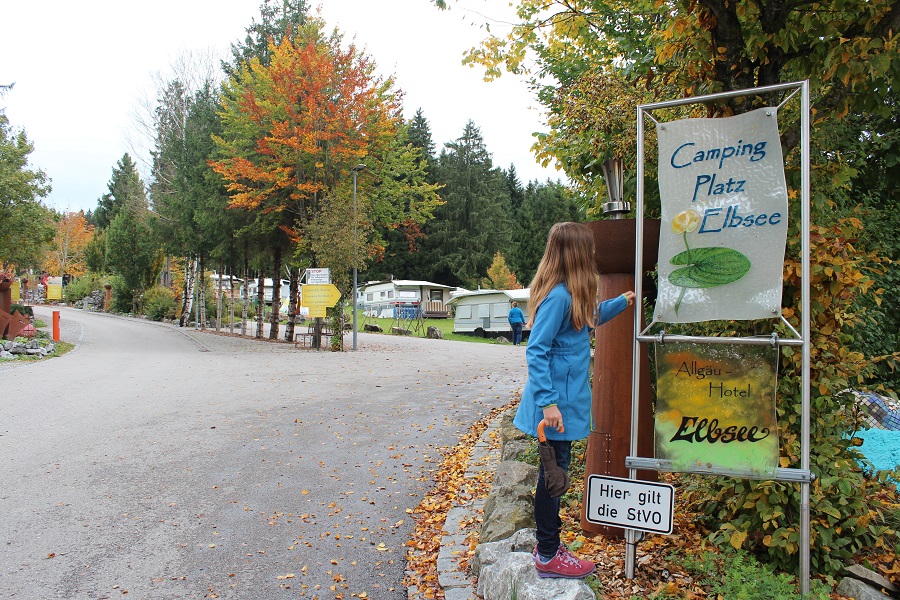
564,297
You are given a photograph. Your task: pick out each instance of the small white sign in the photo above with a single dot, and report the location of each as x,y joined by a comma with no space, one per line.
318,276
630,504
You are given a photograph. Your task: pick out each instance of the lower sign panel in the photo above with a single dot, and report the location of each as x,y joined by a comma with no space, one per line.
630,504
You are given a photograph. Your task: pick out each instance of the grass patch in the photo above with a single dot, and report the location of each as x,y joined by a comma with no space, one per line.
444,325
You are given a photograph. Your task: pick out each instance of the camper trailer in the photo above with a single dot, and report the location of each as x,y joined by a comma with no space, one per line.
485,311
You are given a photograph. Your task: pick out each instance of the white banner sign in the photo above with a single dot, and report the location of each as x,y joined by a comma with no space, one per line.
724,218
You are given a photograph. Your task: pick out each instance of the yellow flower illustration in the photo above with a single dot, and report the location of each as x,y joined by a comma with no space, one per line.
685,221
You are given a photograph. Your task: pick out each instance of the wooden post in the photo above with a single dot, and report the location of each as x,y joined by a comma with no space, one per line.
610,440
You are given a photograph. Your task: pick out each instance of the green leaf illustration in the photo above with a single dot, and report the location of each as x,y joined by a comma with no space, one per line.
708,267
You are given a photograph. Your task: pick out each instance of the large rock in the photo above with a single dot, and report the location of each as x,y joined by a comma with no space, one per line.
508,431
434,333
514,576
856,589
373,328
513,442
874,579
400,331
510,505
488,554
514,449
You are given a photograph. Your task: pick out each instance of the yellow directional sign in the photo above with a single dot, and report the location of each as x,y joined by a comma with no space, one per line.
319,296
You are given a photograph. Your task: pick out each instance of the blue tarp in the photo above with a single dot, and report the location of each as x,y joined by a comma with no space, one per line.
881,447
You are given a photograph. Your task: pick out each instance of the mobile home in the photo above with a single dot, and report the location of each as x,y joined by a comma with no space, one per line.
404,298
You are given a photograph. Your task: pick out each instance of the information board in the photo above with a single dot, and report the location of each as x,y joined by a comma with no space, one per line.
318,276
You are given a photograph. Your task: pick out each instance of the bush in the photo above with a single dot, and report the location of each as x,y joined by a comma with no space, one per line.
159,303
80,288
122,296
22,310
761,516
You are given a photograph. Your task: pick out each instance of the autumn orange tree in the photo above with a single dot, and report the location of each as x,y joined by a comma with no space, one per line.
67,250
500,277
294,128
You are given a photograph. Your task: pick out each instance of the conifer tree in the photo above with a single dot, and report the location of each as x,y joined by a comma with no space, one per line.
125,183
474,222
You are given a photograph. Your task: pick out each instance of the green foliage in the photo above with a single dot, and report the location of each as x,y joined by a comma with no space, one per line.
159,303
21,309
122,300
124,185
27,226
738,576
81,287
543,205
474,222
762,516
187,195
131,251
95,253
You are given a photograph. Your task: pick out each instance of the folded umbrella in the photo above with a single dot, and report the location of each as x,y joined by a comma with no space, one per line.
555,478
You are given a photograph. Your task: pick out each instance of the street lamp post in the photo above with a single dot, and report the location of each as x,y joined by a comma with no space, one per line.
356,171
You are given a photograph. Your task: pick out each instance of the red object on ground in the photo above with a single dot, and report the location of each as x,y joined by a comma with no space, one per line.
28,331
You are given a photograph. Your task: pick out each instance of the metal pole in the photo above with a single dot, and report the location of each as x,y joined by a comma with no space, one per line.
630,534
356,171
805,334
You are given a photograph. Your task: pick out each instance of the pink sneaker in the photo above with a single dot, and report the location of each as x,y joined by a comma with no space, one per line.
564,564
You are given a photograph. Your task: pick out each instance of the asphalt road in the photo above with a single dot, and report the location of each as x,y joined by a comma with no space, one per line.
165,464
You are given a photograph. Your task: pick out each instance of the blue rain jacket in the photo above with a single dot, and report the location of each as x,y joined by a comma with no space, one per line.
515,316
558,358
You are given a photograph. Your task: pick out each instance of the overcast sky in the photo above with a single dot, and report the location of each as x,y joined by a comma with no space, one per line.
81,70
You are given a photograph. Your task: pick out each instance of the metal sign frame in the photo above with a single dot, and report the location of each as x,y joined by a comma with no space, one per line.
803,474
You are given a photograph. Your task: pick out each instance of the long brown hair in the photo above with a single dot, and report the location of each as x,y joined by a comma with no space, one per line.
568,259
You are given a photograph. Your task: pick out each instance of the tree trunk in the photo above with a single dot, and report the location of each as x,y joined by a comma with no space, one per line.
245,297
231,304
261,303
187,304
201,289
292,306
276,296
219,300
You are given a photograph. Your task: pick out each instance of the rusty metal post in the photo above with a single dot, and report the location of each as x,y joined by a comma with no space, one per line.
610,441
108,300
5,295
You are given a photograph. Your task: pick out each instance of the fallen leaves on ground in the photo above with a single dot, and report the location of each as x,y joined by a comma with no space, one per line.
452,488
655,573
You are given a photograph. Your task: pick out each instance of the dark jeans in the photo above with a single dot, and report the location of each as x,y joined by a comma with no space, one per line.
546,509
516,333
